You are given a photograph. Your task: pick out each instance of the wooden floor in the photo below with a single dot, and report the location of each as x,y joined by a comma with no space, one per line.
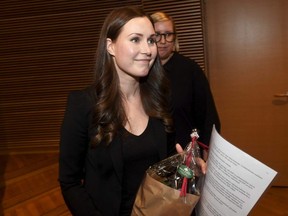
29,187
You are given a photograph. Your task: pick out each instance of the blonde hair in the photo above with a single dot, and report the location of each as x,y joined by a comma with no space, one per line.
161,17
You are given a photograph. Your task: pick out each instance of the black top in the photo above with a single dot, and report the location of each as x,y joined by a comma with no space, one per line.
139,152
193,104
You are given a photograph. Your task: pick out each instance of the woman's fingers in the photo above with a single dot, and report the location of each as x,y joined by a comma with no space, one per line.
199,161
202,165
179,149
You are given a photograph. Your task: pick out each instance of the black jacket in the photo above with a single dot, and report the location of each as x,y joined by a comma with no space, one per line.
99,169
193,103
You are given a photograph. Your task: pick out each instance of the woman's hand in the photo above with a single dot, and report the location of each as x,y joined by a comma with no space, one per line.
199,161
179,149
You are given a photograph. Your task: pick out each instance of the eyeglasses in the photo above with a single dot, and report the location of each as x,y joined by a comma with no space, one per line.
169,36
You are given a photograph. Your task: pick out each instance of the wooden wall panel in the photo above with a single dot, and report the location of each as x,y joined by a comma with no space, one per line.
47,49
248,52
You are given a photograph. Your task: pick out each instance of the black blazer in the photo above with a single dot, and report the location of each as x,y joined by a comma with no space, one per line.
91,179
192,100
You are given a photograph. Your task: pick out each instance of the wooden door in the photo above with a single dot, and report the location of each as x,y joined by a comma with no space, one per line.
248,64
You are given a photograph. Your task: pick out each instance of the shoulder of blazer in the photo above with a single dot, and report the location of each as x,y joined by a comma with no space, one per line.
82,100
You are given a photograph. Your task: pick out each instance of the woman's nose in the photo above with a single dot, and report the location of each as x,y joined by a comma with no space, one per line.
162,40
145,48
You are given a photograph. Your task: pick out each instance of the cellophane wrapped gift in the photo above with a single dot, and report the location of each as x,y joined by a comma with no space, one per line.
171,186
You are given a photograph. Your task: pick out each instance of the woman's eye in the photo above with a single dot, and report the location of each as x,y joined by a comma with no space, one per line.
135,39
152,40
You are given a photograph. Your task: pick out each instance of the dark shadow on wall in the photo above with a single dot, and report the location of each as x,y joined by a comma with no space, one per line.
3,163
280,101
4,156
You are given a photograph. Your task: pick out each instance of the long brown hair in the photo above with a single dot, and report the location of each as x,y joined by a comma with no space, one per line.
109,115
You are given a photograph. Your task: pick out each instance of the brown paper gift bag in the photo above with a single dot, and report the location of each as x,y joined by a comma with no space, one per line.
156,199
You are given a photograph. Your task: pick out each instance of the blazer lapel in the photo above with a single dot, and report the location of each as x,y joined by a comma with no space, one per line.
116,156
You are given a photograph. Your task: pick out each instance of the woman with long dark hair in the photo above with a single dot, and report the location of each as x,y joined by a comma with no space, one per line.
116,128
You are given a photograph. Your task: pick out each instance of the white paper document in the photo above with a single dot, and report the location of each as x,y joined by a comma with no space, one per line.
234,180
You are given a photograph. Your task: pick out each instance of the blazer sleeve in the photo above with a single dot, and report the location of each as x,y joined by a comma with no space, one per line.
74,142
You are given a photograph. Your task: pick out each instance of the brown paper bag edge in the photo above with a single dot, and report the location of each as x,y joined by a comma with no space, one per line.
156,198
